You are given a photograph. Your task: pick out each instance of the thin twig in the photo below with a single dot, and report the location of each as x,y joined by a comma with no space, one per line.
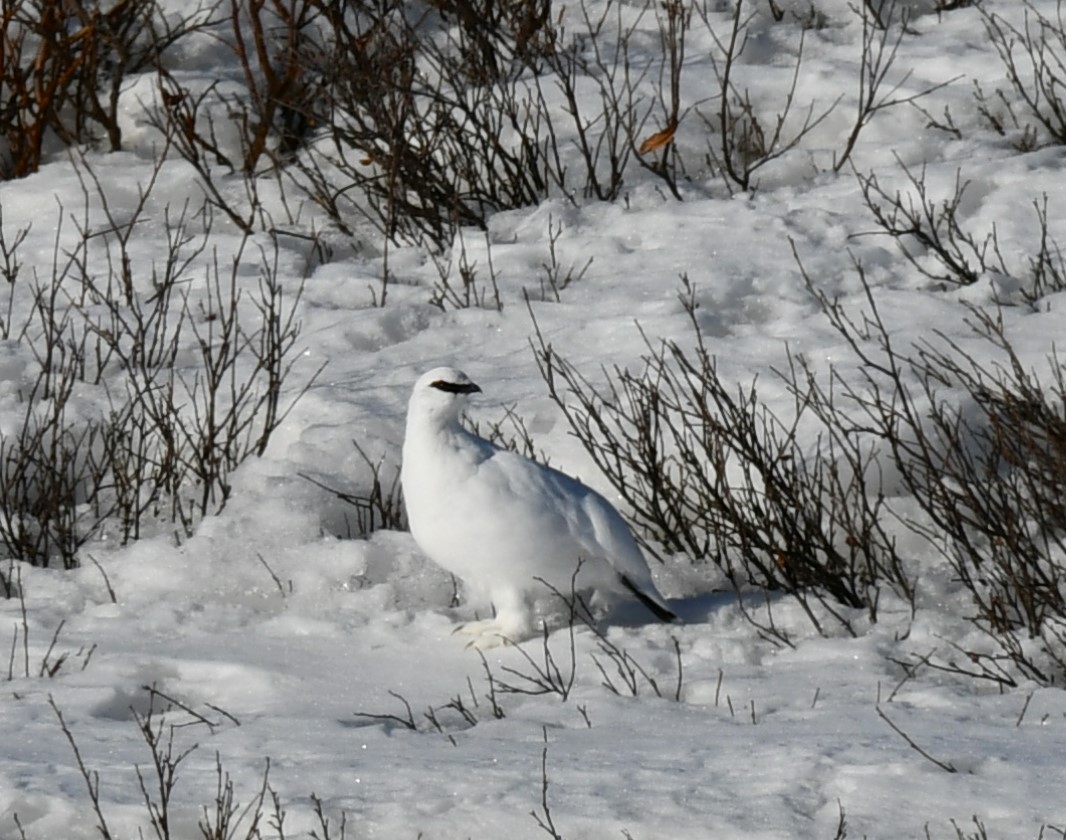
943,765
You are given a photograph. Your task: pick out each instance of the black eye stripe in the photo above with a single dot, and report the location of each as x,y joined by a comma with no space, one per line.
455,387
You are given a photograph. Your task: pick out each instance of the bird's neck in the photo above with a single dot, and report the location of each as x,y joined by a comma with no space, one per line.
446,440
434,432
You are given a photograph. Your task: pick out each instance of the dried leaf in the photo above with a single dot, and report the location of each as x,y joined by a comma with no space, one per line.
658,140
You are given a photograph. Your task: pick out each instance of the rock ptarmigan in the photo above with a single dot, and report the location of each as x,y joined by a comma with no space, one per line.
506,525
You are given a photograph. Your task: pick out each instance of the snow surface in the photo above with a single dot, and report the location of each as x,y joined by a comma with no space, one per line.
759,741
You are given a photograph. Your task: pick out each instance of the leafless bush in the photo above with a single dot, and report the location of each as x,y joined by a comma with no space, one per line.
946,766
1047,270
553,278
278,55
707,469
193,387
437,118
54,466
998,112
380,506
324,825
958,256
224,819
191,428
189,120
548,673
444,719
742,141
744,137
281,67
10,269
53,471
225,408
90,777
52,661
546,669
950,253
1034,58
674,19
420,154
879,48
981,446
543,818
604,138
460,284
63,66
620,672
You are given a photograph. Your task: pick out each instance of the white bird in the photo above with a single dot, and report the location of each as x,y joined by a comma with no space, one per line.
504,524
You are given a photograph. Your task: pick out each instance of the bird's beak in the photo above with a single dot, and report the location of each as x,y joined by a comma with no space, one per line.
455,387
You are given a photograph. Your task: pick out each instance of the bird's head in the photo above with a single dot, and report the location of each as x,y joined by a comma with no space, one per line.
440,395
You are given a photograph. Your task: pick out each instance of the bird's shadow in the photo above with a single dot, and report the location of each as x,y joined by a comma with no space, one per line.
698,609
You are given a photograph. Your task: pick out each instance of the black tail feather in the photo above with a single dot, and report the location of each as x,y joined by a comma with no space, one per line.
660,612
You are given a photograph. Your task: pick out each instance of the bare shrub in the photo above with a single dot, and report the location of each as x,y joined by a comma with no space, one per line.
999,114
1047,269
191,428
439,117
63,66
743,140
194,376
707,469
603,134
1034,58
674,19
460,284
10,270
948,251
52,661
988,471
543,672
878,52
553,279
378,507
543,818
958,257
54,465
455,715
187,120
159,727
277,52
420,154
53,471
747,135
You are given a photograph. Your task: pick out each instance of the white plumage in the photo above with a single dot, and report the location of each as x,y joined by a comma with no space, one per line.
499,521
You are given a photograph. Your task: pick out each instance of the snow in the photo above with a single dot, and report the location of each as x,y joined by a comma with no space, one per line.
289,638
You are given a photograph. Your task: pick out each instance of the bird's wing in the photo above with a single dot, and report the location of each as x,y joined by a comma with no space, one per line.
558,494
618,546
595,525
